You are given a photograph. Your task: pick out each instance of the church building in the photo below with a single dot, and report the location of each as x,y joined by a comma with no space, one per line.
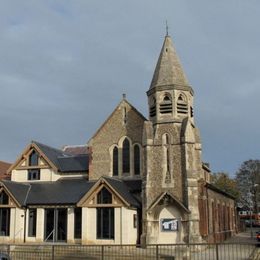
138,180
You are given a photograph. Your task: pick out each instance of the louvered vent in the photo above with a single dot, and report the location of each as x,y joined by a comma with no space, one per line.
182,107
153,108
166,106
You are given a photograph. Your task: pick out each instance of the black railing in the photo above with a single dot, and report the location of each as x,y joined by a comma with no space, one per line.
225,251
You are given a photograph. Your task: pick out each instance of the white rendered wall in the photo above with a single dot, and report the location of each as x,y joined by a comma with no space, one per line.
170,237
45,175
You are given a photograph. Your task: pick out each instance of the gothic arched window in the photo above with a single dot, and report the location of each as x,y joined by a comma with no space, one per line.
182,106
126,156
115,161
136,160
166,105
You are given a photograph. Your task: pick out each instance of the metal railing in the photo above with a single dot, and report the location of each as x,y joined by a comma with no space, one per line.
219,251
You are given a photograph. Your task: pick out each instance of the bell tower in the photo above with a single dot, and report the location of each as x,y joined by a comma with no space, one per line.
170,97
172,154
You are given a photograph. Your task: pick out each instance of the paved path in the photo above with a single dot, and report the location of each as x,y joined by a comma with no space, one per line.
244,237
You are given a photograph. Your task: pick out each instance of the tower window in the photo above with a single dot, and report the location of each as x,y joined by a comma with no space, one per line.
166,105
153,108
136,160
115,161
126,156
182,107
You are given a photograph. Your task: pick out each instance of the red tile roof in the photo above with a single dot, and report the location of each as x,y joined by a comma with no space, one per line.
3,170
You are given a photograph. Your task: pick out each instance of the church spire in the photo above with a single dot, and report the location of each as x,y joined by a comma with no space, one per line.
168,71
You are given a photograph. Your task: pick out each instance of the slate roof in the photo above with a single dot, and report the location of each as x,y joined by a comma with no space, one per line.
65,191
65,162
168,69
125,191
18,190
75,149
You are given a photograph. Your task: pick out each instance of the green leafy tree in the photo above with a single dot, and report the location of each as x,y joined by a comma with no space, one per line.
247,178
222,181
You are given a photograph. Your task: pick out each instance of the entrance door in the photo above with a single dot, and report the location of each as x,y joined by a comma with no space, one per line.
56,225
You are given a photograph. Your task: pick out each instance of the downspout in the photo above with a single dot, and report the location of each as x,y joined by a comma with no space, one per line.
121,230
25,218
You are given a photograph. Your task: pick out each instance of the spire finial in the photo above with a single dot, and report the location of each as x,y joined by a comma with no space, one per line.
167,33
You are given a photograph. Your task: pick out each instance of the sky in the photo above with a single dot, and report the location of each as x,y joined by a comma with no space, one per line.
64,66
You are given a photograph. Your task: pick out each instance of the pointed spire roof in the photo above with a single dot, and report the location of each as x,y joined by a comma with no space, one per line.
168,69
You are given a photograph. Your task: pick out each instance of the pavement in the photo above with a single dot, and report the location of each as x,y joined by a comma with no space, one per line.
244,237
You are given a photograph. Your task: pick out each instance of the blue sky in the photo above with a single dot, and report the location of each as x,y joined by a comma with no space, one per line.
65,64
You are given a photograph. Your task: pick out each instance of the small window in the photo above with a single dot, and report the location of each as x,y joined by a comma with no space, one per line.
115,161
104,197
126,156
34,174
33,159
182,107
32,222
166,105
136,160
4,200
77,222
135,221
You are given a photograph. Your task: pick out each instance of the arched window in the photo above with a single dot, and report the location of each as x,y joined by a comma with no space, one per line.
126,156
115,161
136,160
33,159
166,105
182,106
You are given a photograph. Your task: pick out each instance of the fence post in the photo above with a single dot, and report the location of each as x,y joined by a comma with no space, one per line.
102,252
52,252
217,257
157,252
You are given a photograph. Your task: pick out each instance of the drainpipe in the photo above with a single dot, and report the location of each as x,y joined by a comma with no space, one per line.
24,229
121,231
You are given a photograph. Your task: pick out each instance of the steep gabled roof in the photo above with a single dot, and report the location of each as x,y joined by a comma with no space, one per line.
173,200
168,70
111,115
118,187
124,190
57,159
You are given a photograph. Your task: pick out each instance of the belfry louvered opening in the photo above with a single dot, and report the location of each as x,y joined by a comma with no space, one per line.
153,108
166,105
182,106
